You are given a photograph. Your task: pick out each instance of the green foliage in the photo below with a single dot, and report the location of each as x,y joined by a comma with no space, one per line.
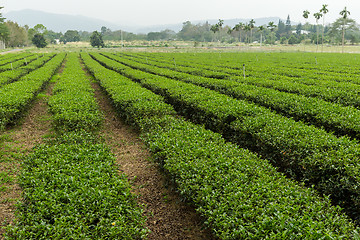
71,191
331,116
51,36
132,102
39,40
21,65
4,30
163,35
16,97
196,32
70,36
293,146
17,35
96,40
293,40
347,24
240,195
74,111
40,29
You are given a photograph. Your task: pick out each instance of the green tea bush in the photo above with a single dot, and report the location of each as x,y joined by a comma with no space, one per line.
16,97
72,191
73,104
240,195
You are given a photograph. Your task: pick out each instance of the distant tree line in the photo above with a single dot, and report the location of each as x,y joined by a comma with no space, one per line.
343,30
282,33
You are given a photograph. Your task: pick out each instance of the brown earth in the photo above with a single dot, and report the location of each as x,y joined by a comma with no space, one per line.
168,217
16,142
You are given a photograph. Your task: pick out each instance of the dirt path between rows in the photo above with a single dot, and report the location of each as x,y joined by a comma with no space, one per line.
17,141
168,217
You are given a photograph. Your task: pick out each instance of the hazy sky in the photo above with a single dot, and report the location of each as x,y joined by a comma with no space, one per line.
154,12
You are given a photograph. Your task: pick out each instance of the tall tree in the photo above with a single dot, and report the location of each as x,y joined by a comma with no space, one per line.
17,35
191,32
4,31
217,27
298,29
324,11
37,29
221,23
288,25
344,13
53,37
96,40
336,29
306,14
247,29
187,31
252,26
39,40
71,36
272,27
239,27
317,17
281,28
40,28
261,30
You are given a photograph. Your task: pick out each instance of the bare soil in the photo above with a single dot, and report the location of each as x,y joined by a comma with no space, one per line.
168,217
16,142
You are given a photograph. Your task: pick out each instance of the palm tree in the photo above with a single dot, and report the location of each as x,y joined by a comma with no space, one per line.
261,29
324,10
317,17
239,27
306,16
216,28
230,31
252,26
344,13
247,28
272,27
221,23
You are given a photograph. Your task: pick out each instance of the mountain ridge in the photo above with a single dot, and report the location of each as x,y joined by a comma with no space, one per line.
63,22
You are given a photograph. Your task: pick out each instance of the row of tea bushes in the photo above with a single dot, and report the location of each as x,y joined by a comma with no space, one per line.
298,149
333,117
239,195
307,68
338,91
13,75
71,189
16,97
19,62
73,104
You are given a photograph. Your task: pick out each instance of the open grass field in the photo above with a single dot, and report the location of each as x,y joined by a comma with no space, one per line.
180,143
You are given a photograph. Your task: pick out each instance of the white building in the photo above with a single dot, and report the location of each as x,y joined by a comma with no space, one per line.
303,32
